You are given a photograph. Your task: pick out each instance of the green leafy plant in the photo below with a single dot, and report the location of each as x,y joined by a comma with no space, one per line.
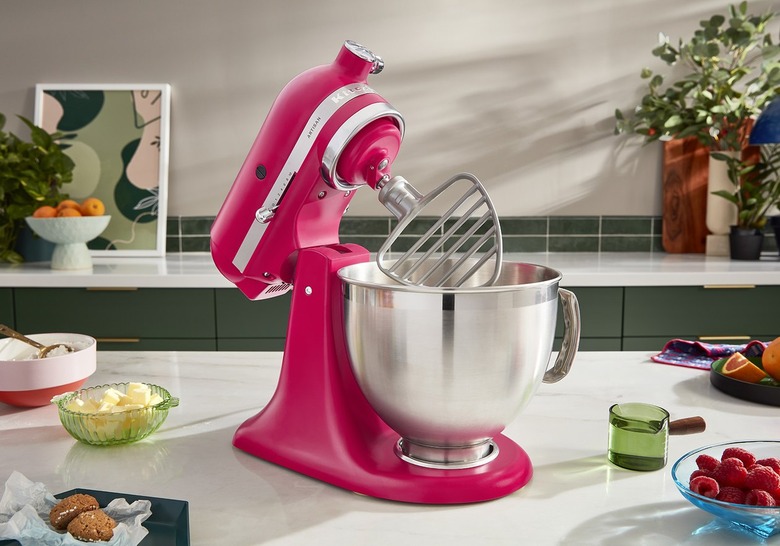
31,174
757,186
732,72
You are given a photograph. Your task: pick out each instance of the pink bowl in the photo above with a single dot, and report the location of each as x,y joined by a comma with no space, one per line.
29,382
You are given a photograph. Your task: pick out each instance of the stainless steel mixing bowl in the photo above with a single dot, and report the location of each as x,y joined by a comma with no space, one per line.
449,368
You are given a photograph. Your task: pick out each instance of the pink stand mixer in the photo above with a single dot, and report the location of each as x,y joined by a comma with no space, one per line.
392,391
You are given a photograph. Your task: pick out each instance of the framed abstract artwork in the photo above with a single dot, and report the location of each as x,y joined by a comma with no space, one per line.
118,137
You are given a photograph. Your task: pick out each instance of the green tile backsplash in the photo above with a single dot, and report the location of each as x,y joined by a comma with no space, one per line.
521,234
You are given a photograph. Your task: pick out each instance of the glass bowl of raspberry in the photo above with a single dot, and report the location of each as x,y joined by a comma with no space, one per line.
737,481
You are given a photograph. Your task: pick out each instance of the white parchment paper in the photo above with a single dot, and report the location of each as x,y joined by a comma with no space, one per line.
24,516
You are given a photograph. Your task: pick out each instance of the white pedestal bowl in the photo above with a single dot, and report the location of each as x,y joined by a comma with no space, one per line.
70,236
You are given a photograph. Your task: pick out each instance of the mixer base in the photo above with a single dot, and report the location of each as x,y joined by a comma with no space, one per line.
319,423
378,472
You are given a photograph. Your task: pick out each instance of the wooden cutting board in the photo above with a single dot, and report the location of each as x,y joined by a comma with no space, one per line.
685,171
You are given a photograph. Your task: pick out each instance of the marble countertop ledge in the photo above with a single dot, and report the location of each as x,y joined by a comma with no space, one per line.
196,270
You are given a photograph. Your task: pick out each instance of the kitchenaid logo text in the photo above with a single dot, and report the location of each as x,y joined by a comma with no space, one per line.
346,93
314,126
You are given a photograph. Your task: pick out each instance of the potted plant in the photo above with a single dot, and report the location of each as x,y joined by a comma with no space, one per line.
31,174
731,70
756,189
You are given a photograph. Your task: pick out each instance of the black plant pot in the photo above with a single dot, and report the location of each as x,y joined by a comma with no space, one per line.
745,244
774,221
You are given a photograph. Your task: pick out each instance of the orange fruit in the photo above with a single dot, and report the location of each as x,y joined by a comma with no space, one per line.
739,367
92,206
67,211
68,204
45,211
770,360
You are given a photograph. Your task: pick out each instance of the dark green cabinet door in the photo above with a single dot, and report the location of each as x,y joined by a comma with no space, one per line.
717,314
250,344
239,318
156,344
593,344
7,307
601,316
154,313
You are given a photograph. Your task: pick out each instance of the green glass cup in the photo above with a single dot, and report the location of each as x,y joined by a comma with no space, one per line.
638,436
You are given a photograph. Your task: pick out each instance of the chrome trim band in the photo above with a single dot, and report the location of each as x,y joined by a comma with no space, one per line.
483,454
345,133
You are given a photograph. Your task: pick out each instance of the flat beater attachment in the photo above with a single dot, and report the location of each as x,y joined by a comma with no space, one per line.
461,249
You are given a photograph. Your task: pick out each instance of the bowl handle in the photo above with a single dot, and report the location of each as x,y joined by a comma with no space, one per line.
571,337
172,402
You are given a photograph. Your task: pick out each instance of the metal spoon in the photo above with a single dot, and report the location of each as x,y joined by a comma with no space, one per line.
43,350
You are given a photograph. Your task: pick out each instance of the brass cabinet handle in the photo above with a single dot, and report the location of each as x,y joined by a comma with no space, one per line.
112,288
118,339
724,338
728,286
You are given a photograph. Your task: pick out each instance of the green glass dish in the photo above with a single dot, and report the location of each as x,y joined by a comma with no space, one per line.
110,429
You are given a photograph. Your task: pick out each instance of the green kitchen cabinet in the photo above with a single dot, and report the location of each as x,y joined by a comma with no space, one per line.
246,325
601,318
143,318
717,314
7,307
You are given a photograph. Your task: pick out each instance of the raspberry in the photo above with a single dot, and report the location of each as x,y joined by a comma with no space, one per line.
747,458
731,494
762,477
730,471
759,497
706,462
700,472
771,462
705,486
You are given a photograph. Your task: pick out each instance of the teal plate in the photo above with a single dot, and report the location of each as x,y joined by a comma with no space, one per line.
762,393
169,524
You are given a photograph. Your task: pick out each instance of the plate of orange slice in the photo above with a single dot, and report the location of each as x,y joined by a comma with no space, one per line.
756,379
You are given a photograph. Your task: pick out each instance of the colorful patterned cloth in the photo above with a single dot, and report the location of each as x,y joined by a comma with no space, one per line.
695,354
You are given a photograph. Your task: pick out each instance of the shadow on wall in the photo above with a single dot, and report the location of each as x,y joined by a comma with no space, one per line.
492,117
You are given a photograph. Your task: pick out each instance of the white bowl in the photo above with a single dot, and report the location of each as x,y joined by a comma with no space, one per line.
70,235
27,381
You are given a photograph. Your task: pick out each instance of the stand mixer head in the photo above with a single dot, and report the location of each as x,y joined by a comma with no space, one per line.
327,134
351,362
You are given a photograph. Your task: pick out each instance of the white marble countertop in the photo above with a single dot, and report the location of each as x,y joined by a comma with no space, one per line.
196,270
575,497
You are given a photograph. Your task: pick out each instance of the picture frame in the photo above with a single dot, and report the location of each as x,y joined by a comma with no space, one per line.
118,136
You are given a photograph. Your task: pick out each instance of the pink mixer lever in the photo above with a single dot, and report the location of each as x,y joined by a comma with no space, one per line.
327,134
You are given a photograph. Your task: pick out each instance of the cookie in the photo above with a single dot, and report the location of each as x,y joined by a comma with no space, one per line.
92,526
70,507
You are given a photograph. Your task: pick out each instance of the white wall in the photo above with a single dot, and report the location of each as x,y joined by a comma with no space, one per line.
522,93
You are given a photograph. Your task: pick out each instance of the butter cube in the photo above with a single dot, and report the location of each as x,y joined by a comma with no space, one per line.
154,399
139,393
114,397
76,405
